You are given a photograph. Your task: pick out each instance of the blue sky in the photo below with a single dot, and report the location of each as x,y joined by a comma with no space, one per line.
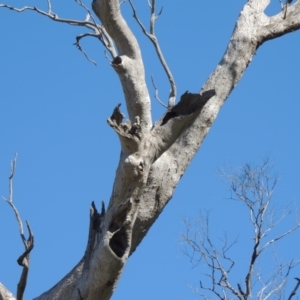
54,106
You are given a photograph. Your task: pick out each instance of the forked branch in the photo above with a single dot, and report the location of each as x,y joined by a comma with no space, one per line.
154,40
254,188
77,44
101,32
219,263
24,259
252,29
89,23
128,64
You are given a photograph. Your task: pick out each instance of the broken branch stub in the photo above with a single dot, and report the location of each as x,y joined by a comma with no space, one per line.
167,130
189,104
150,146
129,134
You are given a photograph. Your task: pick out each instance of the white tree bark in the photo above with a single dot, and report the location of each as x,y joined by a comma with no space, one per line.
5,294
128,64
154,157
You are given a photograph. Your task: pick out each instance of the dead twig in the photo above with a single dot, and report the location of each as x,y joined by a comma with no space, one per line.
154,40
89,23
50,15
293,293
254,187
23,260
77,44
156,93
218,261
102,33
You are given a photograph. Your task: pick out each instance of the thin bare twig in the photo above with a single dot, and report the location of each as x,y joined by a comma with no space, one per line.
254,187
23,260
269,287
293,293
156,93
49,7
77,44
103,35
10,199
153,39
99,31
279,237
51,15
219,263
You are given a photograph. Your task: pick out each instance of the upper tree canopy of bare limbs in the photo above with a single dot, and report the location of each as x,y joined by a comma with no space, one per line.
154,155
254,187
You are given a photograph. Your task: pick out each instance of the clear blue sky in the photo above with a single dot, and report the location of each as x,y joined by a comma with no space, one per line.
54,106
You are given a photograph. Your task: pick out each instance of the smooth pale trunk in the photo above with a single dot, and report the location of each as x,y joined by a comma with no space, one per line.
154,157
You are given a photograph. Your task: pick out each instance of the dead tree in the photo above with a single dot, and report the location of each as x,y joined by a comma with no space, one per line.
254,188
154,155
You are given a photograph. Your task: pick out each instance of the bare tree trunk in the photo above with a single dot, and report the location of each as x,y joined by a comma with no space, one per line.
154,157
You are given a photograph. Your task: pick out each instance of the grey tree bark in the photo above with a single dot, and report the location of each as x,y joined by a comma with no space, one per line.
154,156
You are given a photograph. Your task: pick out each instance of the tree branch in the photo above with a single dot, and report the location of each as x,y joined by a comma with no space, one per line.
51,15
165,132
218,262
246,38
24,259
295,289
152,37
150,166
77,44
252,187
279,237
156,93
129,64
5,294
178,119
99,31
285,22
